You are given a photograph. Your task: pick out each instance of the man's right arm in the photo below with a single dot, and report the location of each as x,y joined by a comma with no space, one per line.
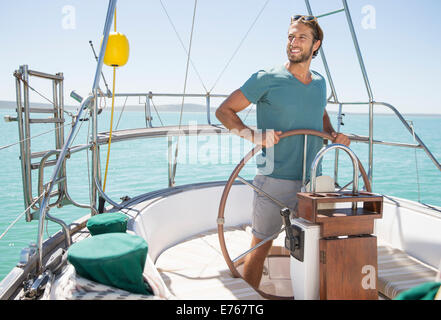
227,115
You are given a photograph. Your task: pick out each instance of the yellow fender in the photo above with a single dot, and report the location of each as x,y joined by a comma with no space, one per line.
117,51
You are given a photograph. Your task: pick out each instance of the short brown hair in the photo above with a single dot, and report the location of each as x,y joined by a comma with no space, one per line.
317,32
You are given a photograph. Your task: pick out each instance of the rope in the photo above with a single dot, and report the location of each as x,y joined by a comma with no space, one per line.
185,88
20,215
110,133
111,117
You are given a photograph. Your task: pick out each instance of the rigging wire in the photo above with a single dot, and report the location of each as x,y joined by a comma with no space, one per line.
37,135
160,120
96,58
182,44
175,160
231,58
40,134
18,76
21,214
240,44
78,131
122,111
246,116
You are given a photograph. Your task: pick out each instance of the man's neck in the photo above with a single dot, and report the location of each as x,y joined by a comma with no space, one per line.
300,70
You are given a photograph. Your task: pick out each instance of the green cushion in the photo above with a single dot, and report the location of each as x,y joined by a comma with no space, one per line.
114,259
107,223
425,291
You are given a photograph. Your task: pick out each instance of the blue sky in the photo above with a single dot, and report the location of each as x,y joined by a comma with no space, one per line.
400,47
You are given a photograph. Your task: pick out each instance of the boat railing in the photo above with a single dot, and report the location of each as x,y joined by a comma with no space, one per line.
411,129
44,205
88,103
356,138
149,131
91,103
42,186
152,131
112,3
24,120
149,101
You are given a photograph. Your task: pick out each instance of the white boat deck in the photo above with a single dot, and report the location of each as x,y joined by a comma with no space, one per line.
196,269
185,254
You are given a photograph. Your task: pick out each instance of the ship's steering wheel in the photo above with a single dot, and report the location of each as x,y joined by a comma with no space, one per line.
220,219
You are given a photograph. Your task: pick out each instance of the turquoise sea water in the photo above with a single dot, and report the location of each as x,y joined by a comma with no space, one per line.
140,166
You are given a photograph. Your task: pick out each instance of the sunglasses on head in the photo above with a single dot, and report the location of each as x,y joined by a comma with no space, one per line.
302,17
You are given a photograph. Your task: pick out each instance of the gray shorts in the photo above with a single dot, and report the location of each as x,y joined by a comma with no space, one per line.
267,220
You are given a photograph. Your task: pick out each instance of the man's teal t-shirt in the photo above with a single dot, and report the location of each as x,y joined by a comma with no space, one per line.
284,103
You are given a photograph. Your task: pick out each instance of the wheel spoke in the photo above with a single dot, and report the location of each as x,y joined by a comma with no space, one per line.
235,175
257,246
347,185
263,193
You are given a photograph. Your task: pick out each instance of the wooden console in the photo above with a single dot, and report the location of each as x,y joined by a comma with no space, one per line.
348,251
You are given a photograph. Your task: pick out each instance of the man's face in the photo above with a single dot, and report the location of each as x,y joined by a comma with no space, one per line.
301,43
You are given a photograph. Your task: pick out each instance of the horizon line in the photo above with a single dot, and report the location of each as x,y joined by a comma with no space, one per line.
130,108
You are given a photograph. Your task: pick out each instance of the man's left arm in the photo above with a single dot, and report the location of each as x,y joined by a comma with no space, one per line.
338,137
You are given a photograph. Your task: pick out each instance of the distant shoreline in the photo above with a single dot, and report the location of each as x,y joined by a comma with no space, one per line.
189,108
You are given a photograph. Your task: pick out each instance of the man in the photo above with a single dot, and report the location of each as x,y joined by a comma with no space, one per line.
287,97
